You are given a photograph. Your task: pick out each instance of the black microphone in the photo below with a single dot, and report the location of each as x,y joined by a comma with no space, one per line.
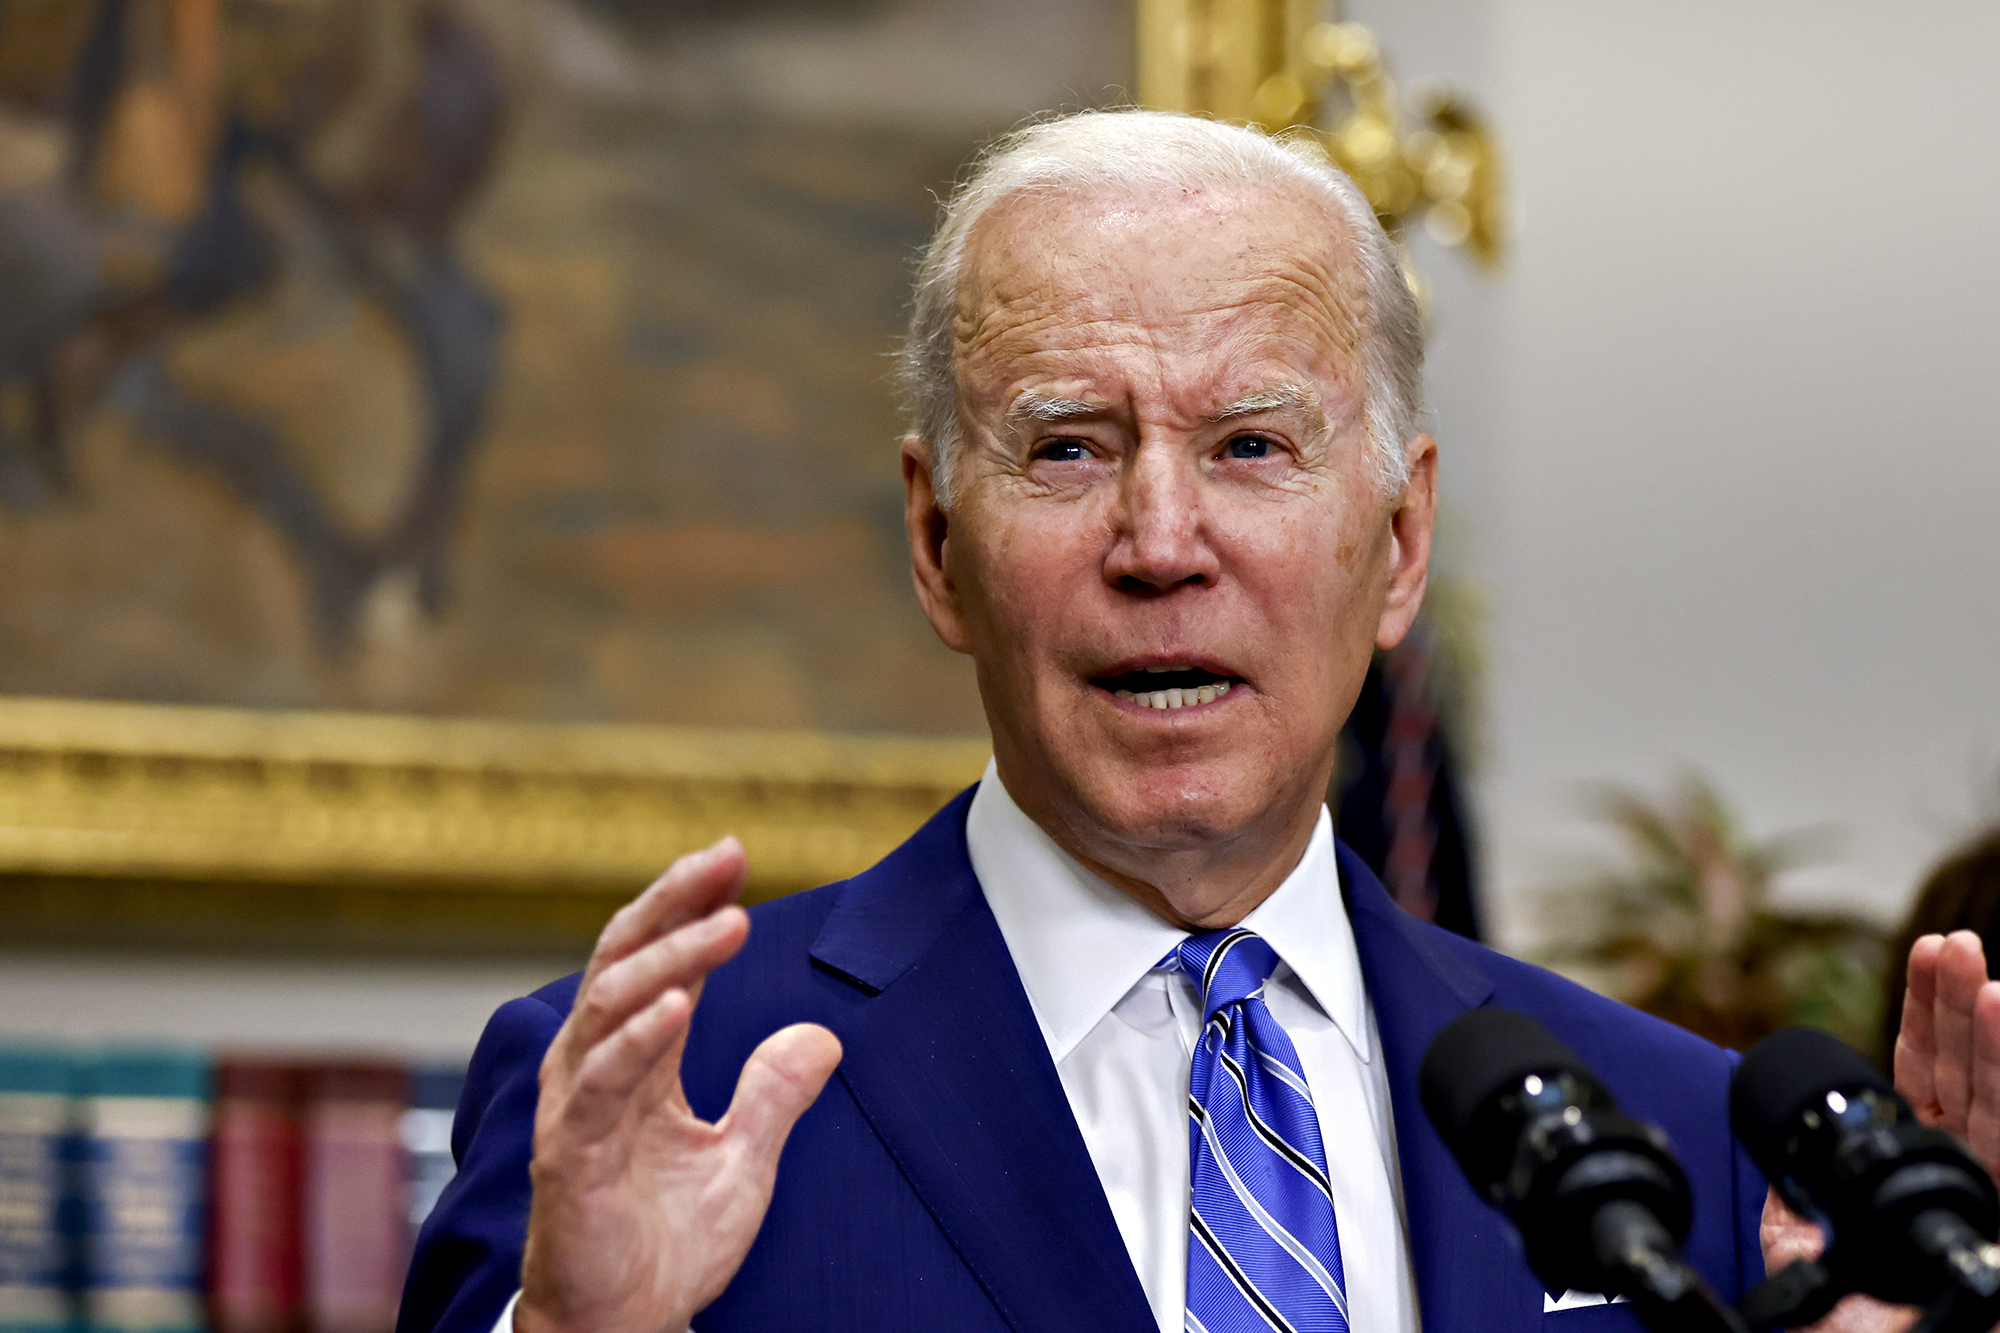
1911,1215
1599,1200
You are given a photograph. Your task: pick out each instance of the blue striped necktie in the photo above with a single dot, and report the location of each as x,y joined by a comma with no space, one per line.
1263,1251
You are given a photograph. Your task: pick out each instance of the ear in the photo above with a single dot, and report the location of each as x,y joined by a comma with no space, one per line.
1411,524
928,526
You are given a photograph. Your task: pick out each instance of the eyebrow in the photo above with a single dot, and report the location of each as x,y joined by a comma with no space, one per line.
1277,397
1032,406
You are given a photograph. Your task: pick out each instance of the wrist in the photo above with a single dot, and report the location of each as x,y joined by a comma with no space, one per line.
526,1315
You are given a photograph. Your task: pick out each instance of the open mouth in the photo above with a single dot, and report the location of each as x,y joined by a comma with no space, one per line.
1167,686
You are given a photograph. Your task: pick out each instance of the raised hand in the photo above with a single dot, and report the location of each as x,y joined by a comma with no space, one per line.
643,1212
1948,1067
1948,1051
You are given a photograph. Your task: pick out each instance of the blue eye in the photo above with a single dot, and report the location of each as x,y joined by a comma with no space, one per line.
1064,451
1249,446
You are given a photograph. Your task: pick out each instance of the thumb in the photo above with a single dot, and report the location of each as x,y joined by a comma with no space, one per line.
782,1077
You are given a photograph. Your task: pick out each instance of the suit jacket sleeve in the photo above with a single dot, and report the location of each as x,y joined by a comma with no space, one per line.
467,1263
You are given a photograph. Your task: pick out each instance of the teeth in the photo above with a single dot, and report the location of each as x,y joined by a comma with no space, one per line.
1206,694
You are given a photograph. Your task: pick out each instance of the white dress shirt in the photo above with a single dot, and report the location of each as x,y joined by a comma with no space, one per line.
1121,1031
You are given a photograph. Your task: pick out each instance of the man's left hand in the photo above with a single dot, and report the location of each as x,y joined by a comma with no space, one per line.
1948,1067
1948,1051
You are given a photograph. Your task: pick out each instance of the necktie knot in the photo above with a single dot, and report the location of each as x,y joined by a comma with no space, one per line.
1229,966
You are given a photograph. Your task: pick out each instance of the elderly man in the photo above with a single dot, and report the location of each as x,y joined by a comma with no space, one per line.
1124,1039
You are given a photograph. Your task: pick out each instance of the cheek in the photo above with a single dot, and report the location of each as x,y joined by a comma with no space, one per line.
1029,568
1314,578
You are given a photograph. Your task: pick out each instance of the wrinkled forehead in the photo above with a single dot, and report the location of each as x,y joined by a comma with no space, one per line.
1042,270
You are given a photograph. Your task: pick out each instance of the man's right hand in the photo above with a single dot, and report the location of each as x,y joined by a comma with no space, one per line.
642,1212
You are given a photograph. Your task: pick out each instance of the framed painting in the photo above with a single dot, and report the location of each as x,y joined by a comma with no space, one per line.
376,365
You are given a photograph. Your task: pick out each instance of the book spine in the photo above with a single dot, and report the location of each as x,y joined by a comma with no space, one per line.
35,1152
143,1174
356,1217
256,1263
432,1100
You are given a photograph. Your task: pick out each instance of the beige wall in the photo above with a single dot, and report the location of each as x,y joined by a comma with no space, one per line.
404,1008
1723,440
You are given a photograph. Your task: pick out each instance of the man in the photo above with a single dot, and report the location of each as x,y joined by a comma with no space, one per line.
1167,489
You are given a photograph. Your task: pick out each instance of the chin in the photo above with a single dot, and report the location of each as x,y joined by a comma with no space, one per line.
1179,808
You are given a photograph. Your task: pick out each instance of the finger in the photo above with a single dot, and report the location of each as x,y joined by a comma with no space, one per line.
601,1092
680,959
1961,972
691,887
1982,1120
1916,1040
1865,1314
1785,1236
781,1079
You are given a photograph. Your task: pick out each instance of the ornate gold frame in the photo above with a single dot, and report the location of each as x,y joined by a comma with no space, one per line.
148,825
1284,65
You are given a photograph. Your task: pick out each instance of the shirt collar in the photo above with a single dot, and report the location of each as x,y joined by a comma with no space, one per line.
1080,945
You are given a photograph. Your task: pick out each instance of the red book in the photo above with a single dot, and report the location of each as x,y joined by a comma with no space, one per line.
355,1219
256,1263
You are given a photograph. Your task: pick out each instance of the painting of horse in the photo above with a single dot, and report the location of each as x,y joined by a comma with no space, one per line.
495,357
378,121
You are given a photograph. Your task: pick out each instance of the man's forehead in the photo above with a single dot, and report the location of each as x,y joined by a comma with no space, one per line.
1120,211
1052,273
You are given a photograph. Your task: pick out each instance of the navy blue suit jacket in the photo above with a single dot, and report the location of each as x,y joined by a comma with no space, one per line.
940,1184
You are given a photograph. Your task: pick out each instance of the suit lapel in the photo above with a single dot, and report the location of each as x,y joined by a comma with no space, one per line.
948,1065
1470,1272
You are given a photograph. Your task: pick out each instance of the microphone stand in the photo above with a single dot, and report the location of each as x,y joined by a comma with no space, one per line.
1971,1304
1665,1292
1802,1293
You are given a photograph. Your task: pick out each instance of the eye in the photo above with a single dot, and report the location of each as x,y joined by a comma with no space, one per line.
1248,446
1064,451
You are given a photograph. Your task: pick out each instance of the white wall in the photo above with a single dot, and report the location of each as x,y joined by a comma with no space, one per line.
432,1010
1724,441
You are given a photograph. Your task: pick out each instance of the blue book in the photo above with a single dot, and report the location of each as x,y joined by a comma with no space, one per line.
432,1101
143,1121
35,1190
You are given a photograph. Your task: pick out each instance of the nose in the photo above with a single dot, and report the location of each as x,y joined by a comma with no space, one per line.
1160,537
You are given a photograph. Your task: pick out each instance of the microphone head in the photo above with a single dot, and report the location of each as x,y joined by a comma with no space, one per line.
1478,1055
1781,1077
1905,1203
1540,1138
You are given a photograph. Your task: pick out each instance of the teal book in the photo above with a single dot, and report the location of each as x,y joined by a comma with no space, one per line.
143,1123
36,1152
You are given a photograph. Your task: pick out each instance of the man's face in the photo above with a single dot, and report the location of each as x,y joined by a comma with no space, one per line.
1168,553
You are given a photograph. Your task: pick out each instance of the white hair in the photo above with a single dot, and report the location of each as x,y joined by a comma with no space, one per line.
1133,151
